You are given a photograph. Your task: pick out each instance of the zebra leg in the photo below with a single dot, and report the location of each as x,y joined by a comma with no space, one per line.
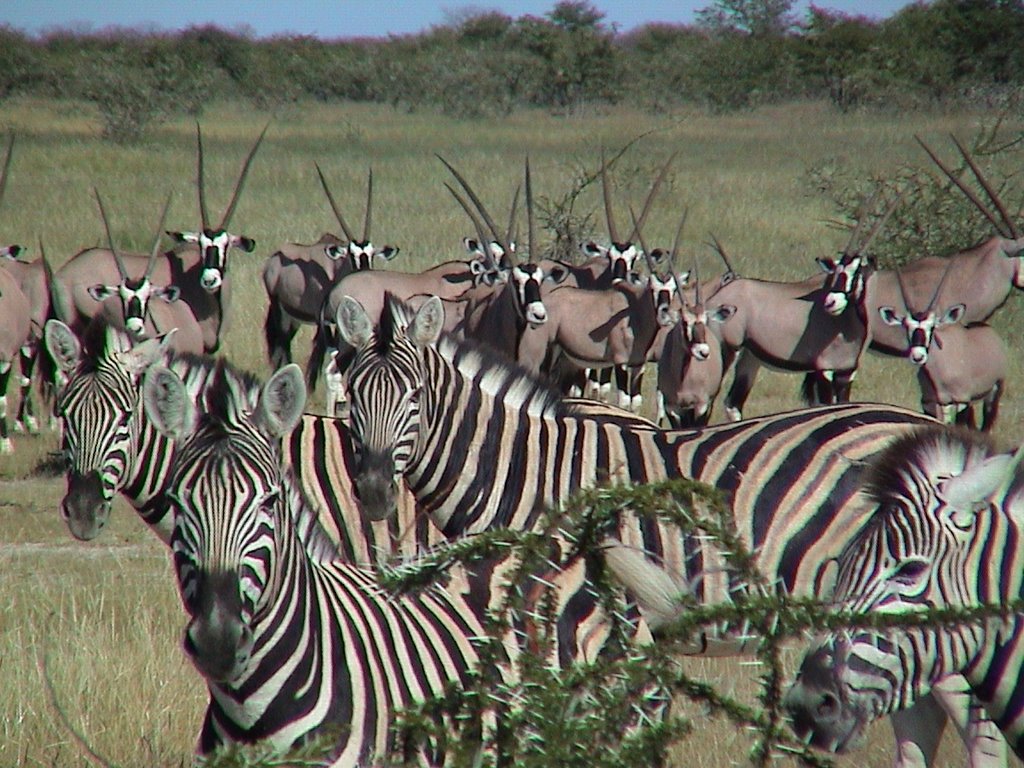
6,446
985,744
918,731
26,419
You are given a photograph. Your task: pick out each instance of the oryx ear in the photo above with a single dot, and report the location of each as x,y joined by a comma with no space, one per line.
558,274
168,404
281,401
143,355
827,265
244,243
63,345
974,488
170,293
334,252
952,315
388,252
425,329
683,278
472,245
658,257
722,313
101,293
592,249
477,267
353,322
889,316
183,237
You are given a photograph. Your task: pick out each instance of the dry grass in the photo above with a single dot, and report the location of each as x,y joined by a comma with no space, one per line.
106,615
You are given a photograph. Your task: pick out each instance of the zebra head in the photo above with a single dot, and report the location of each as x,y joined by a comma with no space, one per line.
388,386
226,493
101,416
935,540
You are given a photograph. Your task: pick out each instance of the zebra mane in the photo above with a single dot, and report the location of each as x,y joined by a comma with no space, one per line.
920,457
499,377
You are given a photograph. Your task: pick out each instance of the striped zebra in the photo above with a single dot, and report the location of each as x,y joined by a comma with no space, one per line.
293,641
482,445
946,532
111,447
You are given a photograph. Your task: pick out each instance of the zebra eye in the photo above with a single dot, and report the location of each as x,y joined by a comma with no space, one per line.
911,571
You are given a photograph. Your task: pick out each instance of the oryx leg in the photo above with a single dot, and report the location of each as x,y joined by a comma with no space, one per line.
279,330
965,416
990,407
744,376
842,386
5,376
635,375
26,419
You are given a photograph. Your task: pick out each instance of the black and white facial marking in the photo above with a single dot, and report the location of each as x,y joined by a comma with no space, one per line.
362,253
10,251
663,291
214,245
846,284
621,257
921,328
526,281
135,296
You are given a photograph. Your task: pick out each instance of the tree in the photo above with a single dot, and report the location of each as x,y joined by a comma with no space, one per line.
760,18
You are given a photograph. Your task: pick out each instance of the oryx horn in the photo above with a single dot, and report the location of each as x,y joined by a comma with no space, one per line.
530,232
155,251
334,205
7,166
996,201
938,288
479,206
725,258
964,188
201,180
903,292
369,207
110,236
613,233
477,224
637,224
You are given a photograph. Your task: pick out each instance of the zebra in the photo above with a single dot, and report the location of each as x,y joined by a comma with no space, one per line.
423,403
110,446
945,532
294,641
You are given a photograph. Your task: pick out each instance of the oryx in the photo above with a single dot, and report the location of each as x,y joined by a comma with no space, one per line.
981,278
31,279
197,267
15,330
957,365
135,303
297,277
800,326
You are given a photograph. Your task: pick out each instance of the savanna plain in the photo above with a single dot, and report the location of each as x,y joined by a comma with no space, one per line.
90,632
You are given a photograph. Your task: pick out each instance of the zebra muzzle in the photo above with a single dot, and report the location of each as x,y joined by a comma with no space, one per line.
84,507
217,640
818,711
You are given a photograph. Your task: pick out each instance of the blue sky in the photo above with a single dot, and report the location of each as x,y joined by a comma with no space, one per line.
347,18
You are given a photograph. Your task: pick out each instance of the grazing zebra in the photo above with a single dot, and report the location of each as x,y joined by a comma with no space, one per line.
111,447
482,445
946,532
294,641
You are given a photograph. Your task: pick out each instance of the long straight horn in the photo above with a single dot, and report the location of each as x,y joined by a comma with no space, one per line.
110,236
510,232
154,252
613,233
530,232
862,216
643,245
938,288
334,205
883,219
987,187
226,219
696,279
204,212
7,166
721,252
965,189
650,196
679,235
369,207
903,292
478,225
479,205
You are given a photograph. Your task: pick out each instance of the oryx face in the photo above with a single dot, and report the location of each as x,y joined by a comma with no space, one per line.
526,280
363,253
135,296
214,245
695,326
846,284
920,328
662,294
621,257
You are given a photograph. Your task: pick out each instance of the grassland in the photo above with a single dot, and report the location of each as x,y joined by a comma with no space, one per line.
103,619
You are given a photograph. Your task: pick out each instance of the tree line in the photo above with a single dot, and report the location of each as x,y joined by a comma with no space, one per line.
739,54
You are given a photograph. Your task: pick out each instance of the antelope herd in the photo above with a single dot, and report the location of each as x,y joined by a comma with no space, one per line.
589,327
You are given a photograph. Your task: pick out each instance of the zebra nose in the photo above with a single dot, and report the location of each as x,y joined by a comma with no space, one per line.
84,507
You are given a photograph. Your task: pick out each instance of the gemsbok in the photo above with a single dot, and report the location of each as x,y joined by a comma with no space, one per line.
297,277
197,266
15,330
956,365
981,278
134,303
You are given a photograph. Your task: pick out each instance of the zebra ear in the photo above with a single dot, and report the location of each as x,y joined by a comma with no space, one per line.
143,355
976,486
425,328
63,345
168,404
281,401
353,322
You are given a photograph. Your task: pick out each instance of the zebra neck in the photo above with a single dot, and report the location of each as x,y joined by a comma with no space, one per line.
147,480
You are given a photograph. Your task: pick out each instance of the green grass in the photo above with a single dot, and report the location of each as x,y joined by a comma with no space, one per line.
105,615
